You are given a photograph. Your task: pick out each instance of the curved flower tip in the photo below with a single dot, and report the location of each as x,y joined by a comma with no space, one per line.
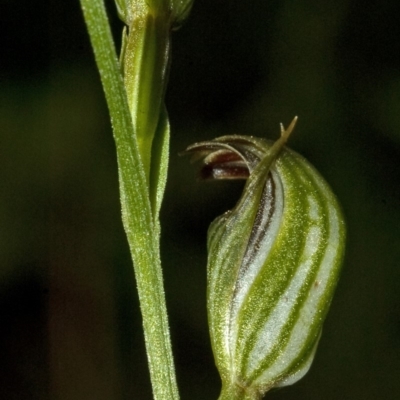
273,263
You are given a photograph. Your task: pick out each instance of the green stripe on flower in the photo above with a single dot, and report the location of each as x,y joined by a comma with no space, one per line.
273,263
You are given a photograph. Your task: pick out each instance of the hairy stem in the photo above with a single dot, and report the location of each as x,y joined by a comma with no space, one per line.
139,223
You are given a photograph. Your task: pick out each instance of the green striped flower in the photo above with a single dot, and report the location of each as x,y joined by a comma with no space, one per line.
273,263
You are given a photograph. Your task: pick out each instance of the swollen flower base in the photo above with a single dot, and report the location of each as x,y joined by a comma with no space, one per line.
273,263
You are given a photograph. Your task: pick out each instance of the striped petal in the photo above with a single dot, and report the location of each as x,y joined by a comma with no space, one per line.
273,263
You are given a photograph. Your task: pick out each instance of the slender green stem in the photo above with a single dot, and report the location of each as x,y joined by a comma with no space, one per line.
139,224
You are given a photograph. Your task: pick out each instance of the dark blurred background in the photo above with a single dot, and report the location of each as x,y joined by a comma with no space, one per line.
70,326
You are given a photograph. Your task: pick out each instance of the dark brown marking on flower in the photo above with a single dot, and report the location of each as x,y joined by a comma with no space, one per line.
248,154
222,156
222,171
261,222
224,163
261,225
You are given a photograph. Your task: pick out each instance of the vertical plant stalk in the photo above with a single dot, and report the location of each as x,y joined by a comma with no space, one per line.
140,223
